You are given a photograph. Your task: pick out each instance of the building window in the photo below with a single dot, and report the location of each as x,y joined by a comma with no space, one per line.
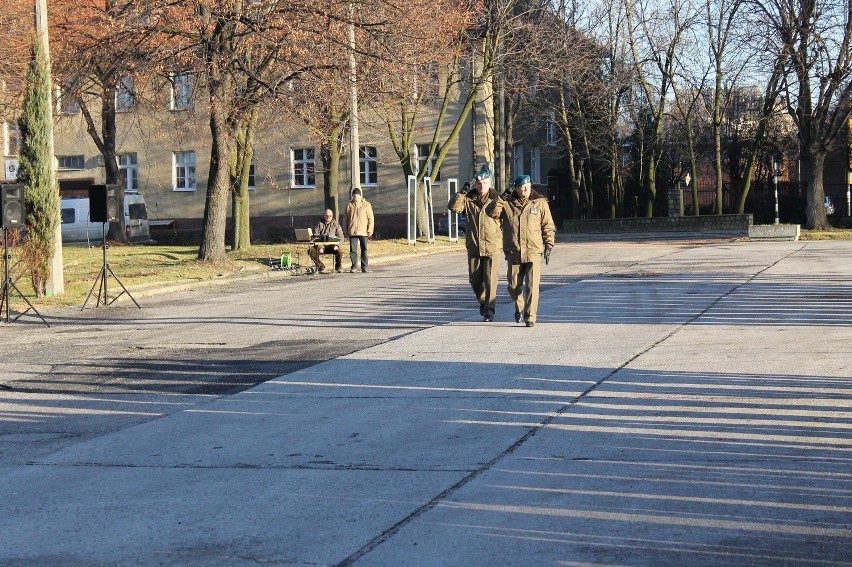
535,165
369,165
427,83
125,95
550,128
66,98
303,167
518,159
184,170
422,153
11,138
251,183
128,168
183,93
70,162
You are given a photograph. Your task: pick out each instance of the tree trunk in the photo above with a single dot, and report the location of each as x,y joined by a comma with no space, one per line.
117,229
239,178
717,144
212,247
330,154
651,186
614,179
813,167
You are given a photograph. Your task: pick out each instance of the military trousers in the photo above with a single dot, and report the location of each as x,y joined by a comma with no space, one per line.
483,273
523,281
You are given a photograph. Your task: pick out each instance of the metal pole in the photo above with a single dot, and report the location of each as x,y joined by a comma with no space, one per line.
354,154
849,195
5,301
775,183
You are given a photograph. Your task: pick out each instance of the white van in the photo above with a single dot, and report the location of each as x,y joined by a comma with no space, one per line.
77,228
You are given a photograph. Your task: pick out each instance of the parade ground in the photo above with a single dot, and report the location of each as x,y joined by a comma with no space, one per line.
680,401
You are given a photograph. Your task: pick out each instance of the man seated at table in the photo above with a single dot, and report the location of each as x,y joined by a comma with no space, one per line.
327,230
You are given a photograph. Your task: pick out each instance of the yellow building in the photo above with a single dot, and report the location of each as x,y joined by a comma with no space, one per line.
164,153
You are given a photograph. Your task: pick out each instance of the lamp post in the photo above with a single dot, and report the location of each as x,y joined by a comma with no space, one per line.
354,142
775,186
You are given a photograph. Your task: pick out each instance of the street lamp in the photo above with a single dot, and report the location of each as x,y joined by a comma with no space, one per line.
775,186
848,195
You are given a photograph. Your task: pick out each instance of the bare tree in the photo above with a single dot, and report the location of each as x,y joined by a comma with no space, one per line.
815,37
226,43
655,33
428,81
688,102
101,52
721,18
16,21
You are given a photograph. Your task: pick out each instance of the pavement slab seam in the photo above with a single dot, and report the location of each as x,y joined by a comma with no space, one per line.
676,434
535,428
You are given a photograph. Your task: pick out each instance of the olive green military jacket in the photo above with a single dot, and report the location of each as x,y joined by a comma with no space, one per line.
527,227
483,236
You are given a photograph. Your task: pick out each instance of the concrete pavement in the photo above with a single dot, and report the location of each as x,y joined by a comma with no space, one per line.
676,403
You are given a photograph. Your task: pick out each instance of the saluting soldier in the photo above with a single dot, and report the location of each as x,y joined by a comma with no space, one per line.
483,240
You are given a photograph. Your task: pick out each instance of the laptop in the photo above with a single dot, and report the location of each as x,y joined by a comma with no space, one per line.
304,234
325,238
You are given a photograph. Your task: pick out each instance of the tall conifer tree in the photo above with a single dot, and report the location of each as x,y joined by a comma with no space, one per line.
36,171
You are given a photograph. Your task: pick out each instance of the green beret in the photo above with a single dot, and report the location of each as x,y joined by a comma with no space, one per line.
521,180
483,176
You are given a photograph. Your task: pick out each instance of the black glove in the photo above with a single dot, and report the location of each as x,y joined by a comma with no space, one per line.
547,250
465,188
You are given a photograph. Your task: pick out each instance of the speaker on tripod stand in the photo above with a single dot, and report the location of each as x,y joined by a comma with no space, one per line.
103,203
103,208
12,213
12,205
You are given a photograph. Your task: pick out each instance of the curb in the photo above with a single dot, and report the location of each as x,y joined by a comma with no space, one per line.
270,274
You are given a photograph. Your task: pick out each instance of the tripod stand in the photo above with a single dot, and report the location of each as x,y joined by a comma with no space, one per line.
102,278
8,285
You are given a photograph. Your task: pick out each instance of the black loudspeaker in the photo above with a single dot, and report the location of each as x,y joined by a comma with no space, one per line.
103,203
12,205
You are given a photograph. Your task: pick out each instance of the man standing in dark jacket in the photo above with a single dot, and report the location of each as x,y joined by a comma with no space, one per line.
483,240
528,234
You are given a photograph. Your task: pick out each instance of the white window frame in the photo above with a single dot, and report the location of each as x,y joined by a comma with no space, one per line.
252,182
125,94
368,158
428,82
183,168
65,104
518,159
71,163
550,128
422,152
535,165
182,91
128,169
303,160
